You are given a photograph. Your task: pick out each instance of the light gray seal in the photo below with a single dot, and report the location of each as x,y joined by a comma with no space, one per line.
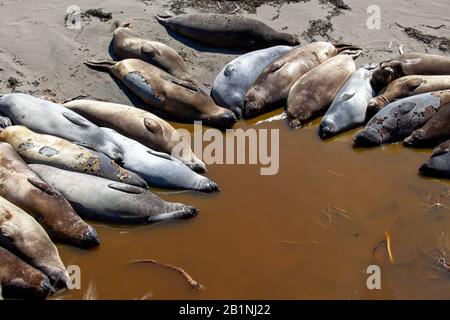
399,119
43,116
348,109
159,169
99,199
234,80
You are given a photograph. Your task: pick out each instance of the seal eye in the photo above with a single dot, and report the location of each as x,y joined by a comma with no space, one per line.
228,70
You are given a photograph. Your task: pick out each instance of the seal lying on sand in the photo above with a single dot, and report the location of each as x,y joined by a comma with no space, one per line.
20,233
100,199
409,64
438,166
159,169
312,94
405,87
19,280
234,80
139,125
127,45
43,116
226,31
178,99
21,186
348,109
400,118
57,152
435,131
272,86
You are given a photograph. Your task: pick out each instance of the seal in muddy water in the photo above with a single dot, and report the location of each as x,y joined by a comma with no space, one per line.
21,186
57,152
104,200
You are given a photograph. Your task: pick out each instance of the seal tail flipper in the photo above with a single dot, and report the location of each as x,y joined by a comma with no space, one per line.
183,214
347,48
103,65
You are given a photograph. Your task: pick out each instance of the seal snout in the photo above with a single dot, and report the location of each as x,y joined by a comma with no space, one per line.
90,239
209,186
327,129
189,212
366,138
414,138
198,167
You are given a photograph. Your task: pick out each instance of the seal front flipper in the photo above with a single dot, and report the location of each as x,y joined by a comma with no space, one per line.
348,95
76,119
125,188
160,154
185,84
406,107
150,51
153,126
104,65
276,66
412,84
41,185
163,19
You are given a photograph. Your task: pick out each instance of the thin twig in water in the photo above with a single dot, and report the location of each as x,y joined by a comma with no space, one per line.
342,213
194,284
287,242
337,174
323,226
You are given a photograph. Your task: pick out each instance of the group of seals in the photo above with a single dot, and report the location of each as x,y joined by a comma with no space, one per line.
236,78
50,150
400,118
179,99
273,85
226,31
139,125
21,186
312,94
22,235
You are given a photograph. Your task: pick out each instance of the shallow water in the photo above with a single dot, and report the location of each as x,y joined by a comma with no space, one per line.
310,231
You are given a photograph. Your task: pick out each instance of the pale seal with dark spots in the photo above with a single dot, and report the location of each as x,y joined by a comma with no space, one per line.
58,152
400,118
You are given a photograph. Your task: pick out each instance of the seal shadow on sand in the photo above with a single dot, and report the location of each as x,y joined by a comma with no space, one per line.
201,47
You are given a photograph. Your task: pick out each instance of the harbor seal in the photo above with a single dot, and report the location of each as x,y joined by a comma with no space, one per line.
437,166
140,125
44,116
159,169
409,64
126,45
57,152
176,98
99,199
272,86
21,186
312,93
404,87
434,132
400,118
19,280
226,31
21,234
348,109
234,80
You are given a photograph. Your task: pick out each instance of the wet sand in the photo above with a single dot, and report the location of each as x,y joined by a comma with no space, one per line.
261,237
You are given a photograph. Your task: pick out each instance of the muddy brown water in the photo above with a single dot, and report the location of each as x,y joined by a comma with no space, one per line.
310,231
